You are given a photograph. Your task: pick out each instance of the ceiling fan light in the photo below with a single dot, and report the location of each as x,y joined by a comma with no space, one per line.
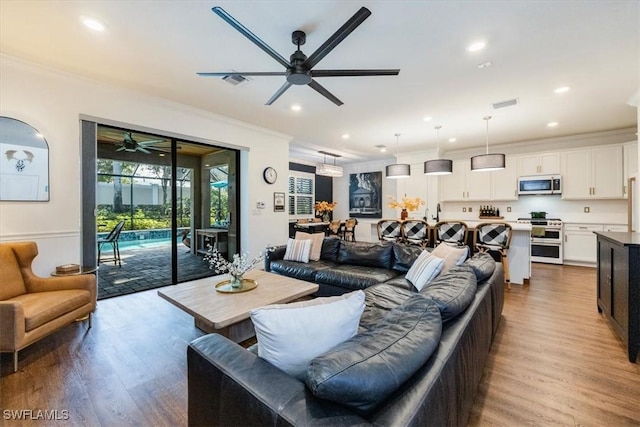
398,170
438,167
487,162
329,170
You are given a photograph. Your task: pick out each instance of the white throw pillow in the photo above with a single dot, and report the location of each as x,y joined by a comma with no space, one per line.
452,255
316,243
425,268
298,250
291,335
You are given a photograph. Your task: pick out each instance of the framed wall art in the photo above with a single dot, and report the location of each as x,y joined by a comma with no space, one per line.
24,162
278,202
365,195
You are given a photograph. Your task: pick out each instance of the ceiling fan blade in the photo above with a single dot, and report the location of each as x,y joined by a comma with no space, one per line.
353,73
151,141
249,73
248,34
348,27
324,92
121,149
142,149
280,91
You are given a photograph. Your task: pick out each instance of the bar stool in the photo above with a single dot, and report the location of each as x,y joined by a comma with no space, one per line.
389,230
494,236
349,230
451,232
415,232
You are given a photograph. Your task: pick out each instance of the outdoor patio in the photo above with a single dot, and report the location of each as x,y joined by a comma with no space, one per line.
147,268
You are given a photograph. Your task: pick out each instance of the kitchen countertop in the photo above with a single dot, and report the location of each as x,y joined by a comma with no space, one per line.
514,225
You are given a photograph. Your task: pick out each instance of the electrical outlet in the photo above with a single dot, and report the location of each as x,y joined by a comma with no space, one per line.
586,209
508,208
470,208
464,209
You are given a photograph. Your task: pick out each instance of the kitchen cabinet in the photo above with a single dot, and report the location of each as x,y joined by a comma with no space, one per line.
580,243
504,183
465,185
630,166
594,173
618,286
539,164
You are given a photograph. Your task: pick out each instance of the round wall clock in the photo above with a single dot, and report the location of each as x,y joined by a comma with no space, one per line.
270,175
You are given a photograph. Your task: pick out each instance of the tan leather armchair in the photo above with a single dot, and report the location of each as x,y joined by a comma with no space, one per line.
33,307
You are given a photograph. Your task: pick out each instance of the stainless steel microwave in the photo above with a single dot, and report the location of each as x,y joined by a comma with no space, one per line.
540,184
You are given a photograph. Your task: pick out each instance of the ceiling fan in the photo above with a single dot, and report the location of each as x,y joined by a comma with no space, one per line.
299,69
131,145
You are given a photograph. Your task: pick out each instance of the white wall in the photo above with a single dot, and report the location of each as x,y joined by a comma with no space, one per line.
52,102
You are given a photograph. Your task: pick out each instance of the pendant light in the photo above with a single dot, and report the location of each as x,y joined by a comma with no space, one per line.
438,166
326,169
398,170
487,162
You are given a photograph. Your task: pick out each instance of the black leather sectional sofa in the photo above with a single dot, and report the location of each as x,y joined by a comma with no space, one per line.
454,319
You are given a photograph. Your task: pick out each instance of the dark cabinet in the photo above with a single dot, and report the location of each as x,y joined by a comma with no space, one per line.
619,285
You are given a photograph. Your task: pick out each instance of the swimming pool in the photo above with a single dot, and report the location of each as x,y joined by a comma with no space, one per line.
138,239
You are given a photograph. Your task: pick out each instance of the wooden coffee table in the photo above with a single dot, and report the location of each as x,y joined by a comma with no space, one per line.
228,313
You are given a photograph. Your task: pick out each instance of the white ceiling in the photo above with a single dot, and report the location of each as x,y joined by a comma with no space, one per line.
534,46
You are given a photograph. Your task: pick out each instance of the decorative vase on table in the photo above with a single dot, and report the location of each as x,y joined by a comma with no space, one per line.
236,281
326,217
404,214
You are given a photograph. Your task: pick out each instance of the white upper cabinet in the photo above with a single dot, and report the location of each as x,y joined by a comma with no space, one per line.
594,173
463,184
539,164
466,185
504,183
630,158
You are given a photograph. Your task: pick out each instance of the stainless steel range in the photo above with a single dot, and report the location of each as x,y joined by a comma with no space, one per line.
546,239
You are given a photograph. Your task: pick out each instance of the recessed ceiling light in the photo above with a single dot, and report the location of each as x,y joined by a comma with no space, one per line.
562,89
92,23
345,136
382,148
476,46
452,140
296,107
485,65
552,124
427,119
161,154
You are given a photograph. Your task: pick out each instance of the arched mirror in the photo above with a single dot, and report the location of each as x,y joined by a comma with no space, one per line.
24,162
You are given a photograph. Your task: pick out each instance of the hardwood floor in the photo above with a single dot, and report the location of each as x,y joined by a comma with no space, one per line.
555,361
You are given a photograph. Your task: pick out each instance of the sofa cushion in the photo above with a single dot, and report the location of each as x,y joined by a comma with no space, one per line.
42,307
354,277
290,335
298,250
452,292
482,264
366,254
330,248
11,283
404,256
364,370
316,243
380,300
452,255
299,270
424,270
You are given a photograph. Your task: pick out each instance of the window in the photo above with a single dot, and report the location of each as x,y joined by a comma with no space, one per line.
301,191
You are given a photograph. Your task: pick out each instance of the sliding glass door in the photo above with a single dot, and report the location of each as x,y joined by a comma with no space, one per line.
177,199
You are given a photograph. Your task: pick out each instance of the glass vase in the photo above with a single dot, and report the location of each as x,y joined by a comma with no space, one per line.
236,281
404,214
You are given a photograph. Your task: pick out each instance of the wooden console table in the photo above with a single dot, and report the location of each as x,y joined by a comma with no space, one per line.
619,285
215,236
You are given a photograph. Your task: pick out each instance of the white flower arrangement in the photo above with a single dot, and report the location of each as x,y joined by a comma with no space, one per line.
238,265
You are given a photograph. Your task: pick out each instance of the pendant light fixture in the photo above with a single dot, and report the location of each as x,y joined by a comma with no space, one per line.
487,162
438,166
398,170
326,169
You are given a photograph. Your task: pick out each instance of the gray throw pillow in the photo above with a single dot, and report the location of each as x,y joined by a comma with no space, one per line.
363,371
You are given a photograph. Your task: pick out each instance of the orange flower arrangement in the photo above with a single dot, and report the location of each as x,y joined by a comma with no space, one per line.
408,203
324,206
